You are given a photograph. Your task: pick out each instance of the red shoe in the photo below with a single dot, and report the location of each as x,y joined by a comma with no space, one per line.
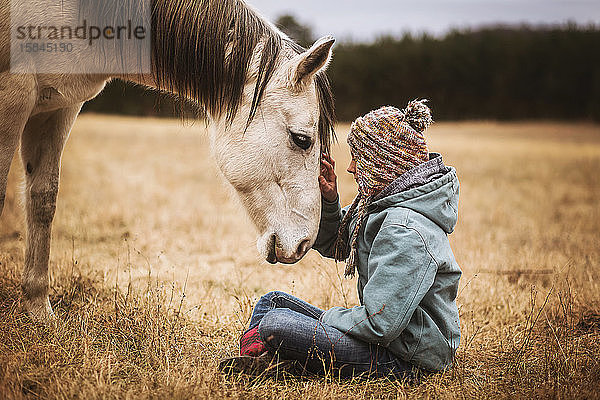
251,345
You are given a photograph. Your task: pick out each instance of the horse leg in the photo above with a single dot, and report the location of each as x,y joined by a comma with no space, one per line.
9,139
16,102
42,144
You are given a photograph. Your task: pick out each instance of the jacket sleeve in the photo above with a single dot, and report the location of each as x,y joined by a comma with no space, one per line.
331,217
401,273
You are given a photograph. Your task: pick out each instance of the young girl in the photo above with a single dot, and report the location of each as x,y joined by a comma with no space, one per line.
395,236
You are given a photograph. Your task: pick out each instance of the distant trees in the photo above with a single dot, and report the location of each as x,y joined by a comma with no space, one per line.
492,73
302,34
498,73
126,98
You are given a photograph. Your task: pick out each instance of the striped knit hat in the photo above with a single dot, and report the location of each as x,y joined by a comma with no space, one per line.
385,144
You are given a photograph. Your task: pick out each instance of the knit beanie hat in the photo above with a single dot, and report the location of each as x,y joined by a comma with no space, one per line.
385,144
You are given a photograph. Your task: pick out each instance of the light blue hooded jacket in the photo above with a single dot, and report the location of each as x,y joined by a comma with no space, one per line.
407,274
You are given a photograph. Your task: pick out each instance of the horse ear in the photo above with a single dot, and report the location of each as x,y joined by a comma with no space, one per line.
313,60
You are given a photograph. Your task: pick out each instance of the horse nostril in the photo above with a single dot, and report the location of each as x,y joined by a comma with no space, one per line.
272,255
303,247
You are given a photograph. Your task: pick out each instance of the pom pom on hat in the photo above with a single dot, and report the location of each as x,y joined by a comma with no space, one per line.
418,115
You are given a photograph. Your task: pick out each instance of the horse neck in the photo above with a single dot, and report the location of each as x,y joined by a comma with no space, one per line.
209,50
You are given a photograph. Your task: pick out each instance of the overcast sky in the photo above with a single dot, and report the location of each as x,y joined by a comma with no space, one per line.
366,19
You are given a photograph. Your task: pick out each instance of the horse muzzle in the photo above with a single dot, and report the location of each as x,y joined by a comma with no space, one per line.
286,251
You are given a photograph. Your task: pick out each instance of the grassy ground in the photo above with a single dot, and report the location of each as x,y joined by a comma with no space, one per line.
154,270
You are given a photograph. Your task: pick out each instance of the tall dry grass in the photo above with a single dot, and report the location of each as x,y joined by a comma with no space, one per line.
154,270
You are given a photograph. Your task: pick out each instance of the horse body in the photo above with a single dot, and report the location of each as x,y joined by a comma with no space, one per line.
267,100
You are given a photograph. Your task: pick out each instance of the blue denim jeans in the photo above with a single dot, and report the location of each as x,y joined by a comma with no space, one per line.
291,327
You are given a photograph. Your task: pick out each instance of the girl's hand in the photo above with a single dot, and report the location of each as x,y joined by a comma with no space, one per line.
328,179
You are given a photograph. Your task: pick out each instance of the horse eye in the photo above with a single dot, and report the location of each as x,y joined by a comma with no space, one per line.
302,141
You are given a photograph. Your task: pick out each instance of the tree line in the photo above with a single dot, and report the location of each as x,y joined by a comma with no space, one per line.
502,73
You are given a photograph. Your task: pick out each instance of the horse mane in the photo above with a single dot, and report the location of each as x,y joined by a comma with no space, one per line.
202,49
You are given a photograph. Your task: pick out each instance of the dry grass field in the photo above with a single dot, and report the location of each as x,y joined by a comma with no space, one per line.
154,270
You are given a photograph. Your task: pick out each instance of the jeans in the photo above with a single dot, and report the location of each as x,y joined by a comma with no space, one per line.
291,327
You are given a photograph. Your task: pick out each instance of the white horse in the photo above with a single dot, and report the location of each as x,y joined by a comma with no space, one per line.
268,101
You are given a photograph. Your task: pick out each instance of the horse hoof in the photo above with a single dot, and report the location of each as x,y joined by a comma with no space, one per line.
40,311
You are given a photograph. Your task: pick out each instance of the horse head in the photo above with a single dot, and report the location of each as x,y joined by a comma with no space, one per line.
272,159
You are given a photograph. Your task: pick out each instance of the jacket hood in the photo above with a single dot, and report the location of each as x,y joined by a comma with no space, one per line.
430,189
